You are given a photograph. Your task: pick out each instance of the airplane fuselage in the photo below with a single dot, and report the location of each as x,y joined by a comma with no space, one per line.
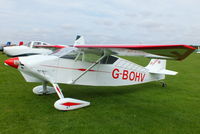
67,71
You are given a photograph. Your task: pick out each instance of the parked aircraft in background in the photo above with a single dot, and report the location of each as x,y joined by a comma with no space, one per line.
1,47
197,46
31,48
96,65
8,44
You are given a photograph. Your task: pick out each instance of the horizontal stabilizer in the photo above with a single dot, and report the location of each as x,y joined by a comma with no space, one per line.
166,72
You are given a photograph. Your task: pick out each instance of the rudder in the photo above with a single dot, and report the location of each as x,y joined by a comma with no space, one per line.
158,66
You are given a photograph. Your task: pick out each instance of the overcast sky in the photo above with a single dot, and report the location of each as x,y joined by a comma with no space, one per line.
101,21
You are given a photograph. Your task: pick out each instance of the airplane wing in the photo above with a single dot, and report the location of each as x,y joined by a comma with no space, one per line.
51,47
176,52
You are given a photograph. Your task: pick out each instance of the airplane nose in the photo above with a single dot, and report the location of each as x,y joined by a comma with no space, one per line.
13,62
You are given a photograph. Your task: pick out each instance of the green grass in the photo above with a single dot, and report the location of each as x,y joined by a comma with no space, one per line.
138,109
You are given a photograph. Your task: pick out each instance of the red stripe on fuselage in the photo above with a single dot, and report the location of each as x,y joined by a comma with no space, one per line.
85,70
79,69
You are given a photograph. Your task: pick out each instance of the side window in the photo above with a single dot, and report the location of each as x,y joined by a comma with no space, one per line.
79,56
86,57
89,57
108,60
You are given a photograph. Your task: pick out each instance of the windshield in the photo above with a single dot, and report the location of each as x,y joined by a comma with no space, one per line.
37,43
65,51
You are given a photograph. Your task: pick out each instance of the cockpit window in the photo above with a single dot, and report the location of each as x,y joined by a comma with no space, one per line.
68,53
109,60
75,54
71,55
91,57
36,43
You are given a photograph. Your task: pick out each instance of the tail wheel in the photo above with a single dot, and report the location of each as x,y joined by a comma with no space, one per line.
163,84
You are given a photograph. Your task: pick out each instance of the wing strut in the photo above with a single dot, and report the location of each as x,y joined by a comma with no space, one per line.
95,63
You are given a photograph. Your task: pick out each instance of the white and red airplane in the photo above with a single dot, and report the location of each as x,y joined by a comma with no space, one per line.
96,65
31,48
8,44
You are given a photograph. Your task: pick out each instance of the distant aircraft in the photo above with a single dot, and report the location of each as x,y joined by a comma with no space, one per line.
4,45
198,49
96,65
197,46
31,48
8,44
1,47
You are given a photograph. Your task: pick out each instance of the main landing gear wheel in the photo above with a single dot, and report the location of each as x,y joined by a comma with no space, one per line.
39,90
63,104
163,84
66,104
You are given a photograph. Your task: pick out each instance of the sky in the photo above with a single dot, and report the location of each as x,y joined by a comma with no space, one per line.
101,21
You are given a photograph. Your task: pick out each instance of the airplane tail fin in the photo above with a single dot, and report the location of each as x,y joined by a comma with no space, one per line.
158,66
21,43
8,43
79,40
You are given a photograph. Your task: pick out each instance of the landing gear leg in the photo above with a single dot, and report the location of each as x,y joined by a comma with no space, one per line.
58,90
44,85
43,89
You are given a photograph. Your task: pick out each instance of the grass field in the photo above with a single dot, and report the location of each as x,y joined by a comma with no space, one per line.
138,109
